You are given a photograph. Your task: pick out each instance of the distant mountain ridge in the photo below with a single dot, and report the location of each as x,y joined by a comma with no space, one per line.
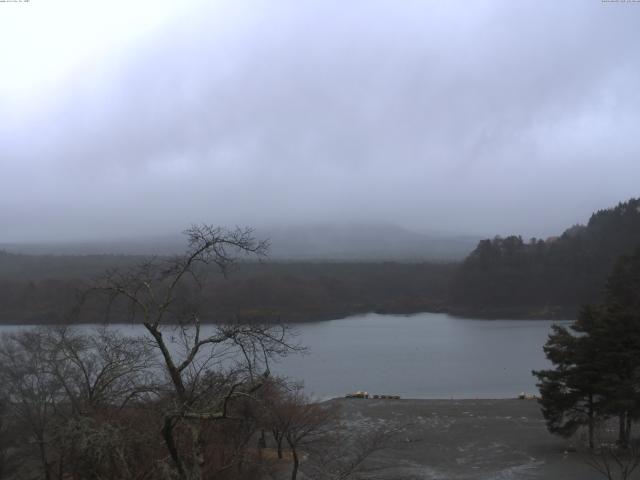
338,242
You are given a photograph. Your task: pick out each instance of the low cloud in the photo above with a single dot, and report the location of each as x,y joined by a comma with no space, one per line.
482,117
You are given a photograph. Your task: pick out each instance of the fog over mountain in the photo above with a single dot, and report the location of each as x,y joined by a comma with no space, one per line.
332,242
122,120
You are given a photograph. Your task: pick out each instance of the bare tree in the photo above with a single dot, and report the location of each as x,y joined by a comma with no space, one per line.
273,415
614,462
31,392
88,404
322,445
65,392
8,437
294,417
103,368
343,453
612,459
208,368
3,437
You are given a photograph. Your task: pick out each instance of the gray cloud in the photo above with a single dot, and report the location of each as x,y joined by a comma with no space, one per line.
483,117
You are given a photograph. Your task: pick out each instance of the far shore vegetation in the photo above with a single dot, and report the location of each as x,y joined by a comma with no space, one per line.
506,277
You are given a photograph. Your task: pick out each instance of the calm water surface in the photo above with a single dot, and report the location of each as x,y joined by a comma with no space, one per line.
421,356
425,355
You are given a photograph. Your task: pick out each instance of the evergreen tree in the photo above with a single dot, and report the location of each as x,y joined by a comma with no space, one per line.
570,393
618,335
596,371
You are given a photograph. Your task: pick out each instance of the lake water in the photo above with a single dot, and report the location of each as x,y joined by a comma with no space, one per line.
426,355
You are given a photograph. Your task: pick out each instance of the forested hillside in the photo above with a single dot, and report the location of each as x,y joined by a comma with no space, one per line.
510,276
45,289
502,277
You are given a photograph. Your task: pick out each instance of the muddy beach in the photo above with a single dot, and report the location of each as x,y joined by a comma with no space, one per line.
466,439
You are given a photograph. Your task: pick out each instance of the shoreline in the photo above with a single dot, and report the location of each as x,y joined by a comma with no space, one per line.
466,439
455,313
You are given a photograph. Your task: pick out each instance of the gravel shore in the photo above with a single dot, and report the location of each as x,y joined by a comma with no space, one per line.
466,439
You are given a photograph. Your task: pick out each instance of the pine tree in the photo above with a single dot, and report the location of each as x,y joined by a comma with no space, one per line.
570,393
596,364
618,335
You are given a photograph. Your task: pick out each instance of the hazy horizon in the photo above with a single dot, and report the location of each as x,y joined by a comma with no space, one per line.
121,120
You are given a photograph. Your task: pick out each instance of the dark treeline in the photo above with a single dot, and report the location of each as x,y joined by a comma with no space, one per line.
44,289
502,277
546,278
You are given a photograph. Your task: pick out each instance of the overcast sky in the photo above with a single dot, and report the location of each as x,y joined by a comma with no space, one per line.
122,118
